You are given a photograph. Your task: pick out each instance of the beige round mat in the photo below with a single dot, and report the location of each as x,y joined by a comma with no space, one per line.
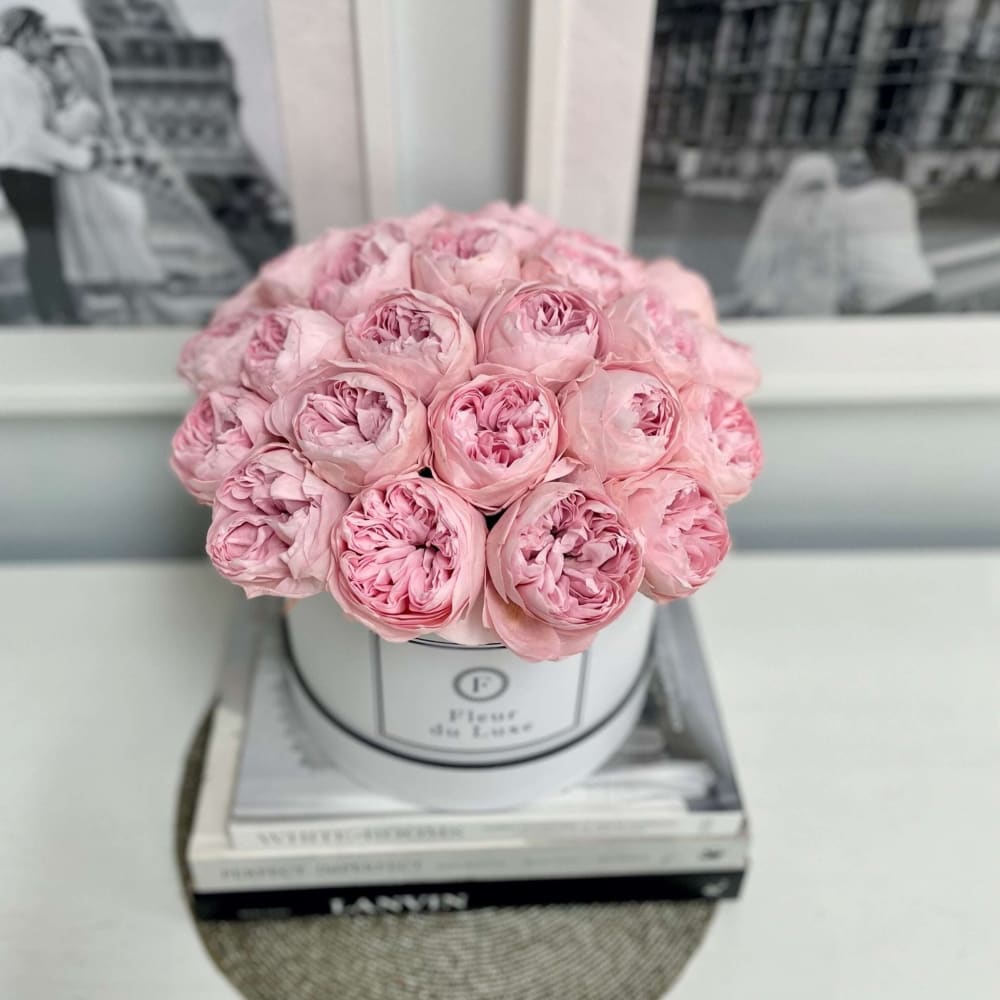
610,951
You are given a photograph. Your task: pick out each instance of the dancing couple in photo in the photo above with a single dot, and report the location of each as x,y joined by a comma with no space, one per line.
826,243
61,156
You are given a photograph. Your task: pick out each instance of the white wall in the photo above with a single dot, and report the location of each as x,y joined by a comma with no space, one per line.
85,425
94,487
878,475
900,474
459,75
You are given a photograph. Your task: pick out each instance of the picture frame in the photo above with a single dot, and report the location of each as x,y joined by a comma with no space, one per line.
340,162
341,172
582,165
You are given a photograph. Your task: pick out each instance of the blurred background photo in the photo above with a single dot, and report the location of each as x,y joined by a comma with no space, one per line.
142,172
827,158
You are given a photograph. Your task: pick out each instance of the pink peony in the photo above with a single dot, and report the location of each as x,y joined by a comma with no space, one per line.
219,431
462,261
681,526
289,278
550,330
646,327
213,358
415,338
285,343
408,558
495,436
603,270
721,442
526,228
727,364
360,265
416,227
687,290
561,565
271,524
450,371
248,299
355,425
621,420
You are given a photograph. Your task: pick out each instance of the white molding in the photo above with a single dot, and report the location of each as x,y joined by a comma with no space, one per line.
806,363
96,373
377,105
315,54
547,94
589,69
875,360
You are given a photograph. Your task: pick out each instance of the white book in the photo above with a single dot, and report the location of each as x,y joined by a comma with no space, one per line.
242,871
288,796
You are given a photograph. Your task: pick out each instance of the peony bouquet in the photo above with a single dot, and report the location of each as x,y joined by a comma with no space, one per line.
480,425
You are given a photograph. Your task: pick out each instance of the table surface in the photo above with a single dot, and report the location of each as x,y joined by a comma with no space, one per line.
861,695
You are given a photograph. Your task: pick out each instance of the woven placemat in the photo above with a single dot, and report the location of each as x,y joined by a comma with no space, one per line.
624,951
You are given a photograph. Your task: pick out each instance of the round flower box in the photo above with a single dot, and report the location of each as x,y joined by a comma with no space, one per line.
464,727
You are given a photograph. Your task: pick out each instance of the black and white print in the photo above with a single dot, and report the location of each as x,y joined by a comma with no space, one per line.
141,169
827,157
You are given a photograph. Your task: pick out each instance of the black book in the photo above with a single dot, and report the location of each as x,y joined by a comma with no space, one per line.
355,901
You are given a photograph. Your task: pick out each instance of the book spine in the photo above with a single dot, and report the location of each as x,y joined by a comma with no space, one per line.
233,871
446,897
310,835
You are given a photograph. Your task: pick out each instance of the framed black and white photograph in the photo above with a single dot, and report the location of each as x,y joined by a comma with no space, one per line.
827,158
148,160
812,158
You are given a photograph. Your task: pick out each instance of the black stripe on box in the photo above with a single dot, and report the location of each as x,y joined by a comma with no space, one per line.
456,896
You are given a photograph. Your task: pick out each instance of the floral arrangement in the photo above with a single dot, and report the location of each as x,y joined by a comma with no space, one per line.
479,425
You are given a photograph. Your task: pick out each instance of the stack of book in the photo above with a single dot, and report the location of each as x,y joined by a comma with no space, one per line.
279,831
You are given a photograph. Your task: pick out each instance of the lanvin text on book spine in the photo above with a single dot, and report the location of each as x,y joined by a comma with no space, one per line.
445,897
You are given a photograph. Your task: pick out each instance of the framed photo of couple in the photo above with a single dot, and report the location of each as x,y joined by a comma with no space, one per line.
831,166
154,152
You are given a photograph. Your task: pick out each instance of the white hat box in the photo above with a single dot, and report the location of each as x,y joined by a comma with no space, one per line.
464,727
